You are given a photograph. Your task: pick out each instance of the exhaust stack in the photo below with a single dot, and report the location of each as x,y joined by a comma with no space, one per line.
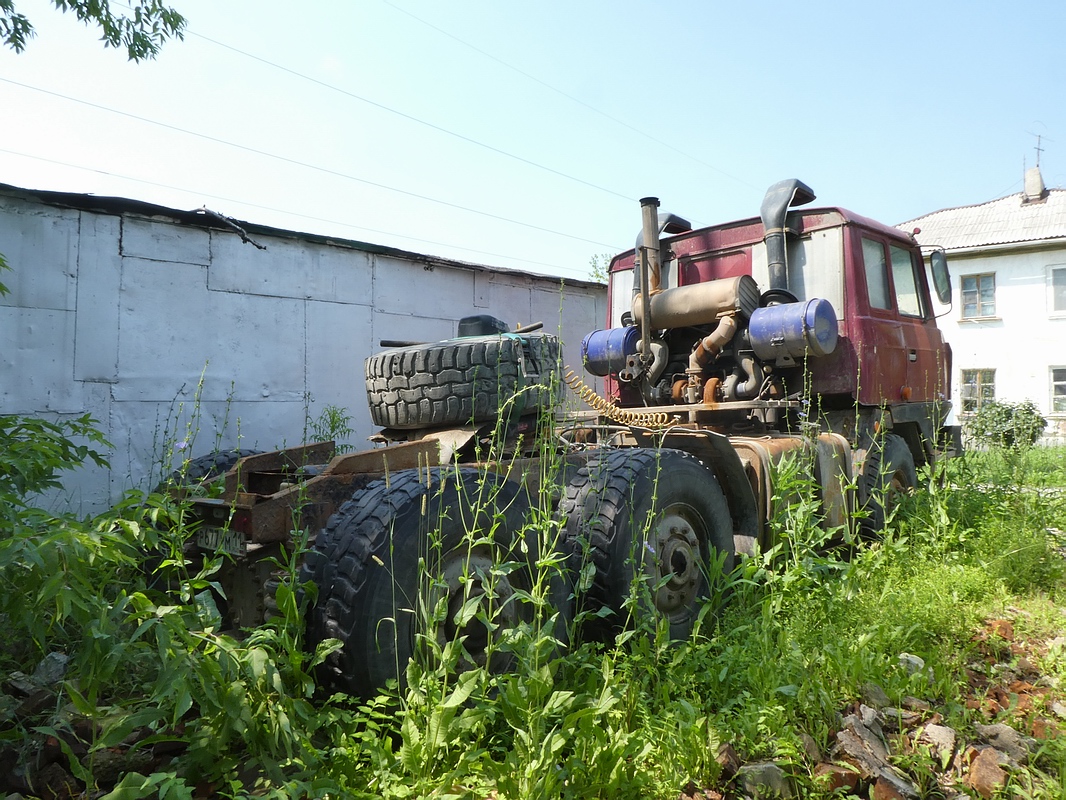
648,255
649,211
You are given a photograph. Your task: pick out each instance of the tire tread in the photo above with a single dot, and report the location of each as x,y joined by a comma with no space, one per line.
415,387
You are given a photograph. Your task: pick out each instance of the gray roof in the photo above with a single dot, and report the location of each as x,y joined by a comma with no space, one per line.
1003,221
121,205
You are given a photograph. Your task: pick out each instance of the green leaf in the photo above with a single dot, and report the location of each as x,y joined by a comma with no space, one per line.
134,786
468,611
558,701
183,701
464,687
258,660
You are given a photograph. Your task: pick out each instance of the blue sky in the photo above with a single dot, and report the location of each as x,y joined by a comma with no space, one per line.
522,135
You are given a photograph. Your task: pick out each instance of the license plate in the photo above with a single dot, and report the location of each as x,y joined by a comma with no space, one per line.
221,539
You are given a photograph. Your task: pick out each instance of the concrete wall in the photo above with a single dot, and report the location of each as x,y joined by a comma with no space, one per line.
1024,339
171,332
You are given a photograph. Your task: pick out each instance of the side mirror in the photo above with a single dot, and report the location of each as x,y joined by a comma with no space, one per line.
941,277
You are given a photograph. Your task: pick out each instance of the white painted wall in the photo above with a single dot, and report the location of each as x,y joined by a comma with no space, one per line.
169,332
1024,339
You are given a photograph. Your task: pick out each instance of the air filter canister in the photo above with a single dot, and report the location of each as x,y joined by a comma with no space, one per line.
793,330
605,352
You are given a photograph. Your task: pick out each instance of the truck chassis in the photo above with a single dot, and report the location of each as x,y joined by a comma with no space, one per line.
710,383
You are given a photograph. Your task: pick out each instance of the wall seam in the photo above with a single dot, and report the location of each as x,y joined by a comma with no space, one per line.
77,303
111,422
307,385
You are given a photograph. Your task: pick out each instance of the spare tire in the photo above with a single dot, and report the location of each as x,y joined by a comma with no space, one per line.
462,381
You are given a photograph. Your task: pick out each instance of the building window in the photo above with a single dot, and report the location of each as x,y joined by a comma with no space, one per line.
1058,289
979,295
1058,390
978,388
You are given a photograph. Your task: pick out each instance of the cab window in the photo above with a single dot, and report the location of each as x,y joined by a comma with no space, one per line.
873,258
908,298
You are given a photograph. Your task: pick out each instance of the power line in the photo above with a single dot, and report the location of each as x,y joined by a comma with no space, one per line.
280,210
304,164
569,96
1004,192
412,118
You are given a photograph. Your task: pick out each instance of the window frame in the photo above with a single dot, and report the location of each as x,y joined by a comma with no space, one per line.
915,283
970,402
1051,270
1053,384
894,260
977,276
885,275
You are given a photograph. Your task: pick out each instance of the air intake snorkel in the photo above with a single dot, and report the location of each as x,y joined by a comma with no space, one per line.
775,204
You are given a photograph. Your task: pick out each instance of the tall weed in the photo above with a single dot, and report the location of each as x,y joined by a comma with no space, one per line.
806,626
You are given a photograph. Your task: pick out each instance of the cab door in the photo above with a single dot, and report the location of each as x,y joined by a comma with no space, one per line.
883,356
922,340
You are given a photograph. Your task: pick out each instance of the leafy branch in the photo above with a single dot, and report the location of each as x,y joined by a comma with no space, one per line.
142,32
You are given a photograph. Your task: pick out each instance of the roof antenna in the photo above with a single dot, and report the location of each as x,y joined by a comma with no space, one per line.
1033,186
1039,141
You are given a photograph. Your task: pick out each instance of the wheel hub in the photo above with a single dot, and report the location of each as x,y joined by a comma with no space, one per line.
676,563
466,579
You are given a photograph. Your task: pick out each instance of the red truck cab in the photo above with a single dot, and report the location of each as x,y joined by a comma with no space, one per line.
889,352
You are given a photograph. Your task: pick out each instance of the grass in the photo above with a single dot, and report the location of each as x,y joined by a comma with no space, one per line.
806,630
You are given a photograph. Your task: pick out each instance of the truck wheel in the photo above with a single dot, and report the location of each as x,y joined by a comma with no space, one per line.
461,381
887,474
180,481
397,565
649,520
206,467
